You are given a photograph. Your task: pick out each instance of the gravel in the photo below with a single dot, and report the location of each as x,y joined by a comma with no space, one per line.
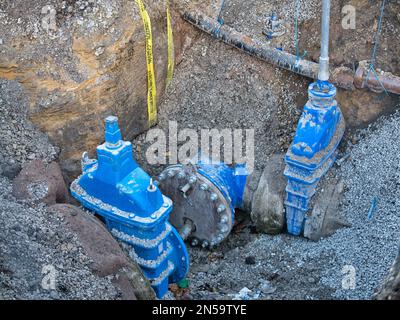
20,140
249,17
371,171
215,87
301,269
34,242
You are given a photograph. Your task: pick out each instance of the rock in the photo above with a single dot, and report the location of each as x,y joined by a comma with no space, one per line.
90,64
361,107
390,289
325,219
244,294
267,206
187,296
201,268
40,182
266,287
11,170
108,258
250,260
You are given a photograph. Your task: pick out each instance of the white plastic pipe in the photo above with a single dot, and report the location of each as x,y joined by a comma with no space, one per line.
323,73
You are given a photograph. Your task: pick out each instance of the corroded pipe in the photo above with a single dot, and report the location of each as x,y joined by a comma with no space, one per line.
253,47
378,82
341,77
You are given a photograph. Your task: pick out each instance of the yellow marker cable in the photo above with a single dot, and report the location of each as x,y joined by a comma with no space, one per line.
170,70
151,80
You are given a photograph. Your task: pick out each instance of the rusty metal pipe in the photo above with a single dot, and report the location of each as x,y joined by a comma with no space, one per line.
253,47
384,81
341,77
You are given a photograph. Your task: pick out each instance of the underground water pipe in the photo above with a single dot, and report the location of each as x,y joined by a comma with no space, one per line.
342,77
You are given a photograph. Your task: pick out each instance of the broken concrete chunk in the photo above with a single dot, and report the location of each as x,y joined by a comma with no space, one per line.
391,287
10,170
108,259
39,182
325,219
268,211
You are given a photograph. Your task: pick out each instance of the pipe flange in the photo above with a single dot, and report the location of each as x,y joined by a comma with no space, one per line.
197,199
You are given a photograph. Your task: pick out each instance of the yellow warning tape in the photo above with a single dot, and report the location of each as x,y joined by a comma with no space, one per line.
170,70
151,80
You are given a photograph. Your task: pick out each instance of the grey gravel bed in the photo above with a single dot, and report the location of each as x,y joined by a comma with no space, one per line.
20,140
34,242
371,244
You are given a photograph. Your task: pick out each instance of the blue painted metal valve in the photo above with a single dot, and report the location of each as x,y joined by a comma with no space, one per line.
312,153
205,196
274,27
133,208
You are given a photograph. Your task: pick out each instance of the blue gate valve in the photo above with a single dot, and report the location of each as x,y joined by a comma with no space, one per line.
133,208
313,151
319,132
205,196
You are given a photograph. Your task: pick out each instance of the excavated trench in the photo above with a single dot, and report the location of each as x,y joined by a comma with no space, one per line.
216,87
207,92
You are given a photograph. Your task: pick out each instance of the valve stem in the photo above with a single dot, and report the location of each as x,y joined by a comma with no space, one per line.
323,74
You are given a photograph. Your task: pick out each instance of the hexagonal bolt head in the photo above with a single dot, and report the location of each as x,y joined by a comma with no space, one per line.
204,187
192,180
223,228
221,208
181,175
213,197
171,173
185,188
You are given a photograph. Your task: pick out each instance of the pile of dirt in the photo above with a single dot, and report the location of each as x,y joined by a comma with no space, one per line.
21,141
41,255
218,87
35,246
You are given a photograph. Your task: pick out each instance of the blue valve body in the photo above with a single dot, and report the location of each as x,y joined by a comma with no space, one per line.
313,151
231,181
133,208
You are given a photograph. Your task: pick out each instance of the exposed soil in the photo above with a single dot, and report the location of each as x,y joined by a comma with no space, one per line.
216,86
208,91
